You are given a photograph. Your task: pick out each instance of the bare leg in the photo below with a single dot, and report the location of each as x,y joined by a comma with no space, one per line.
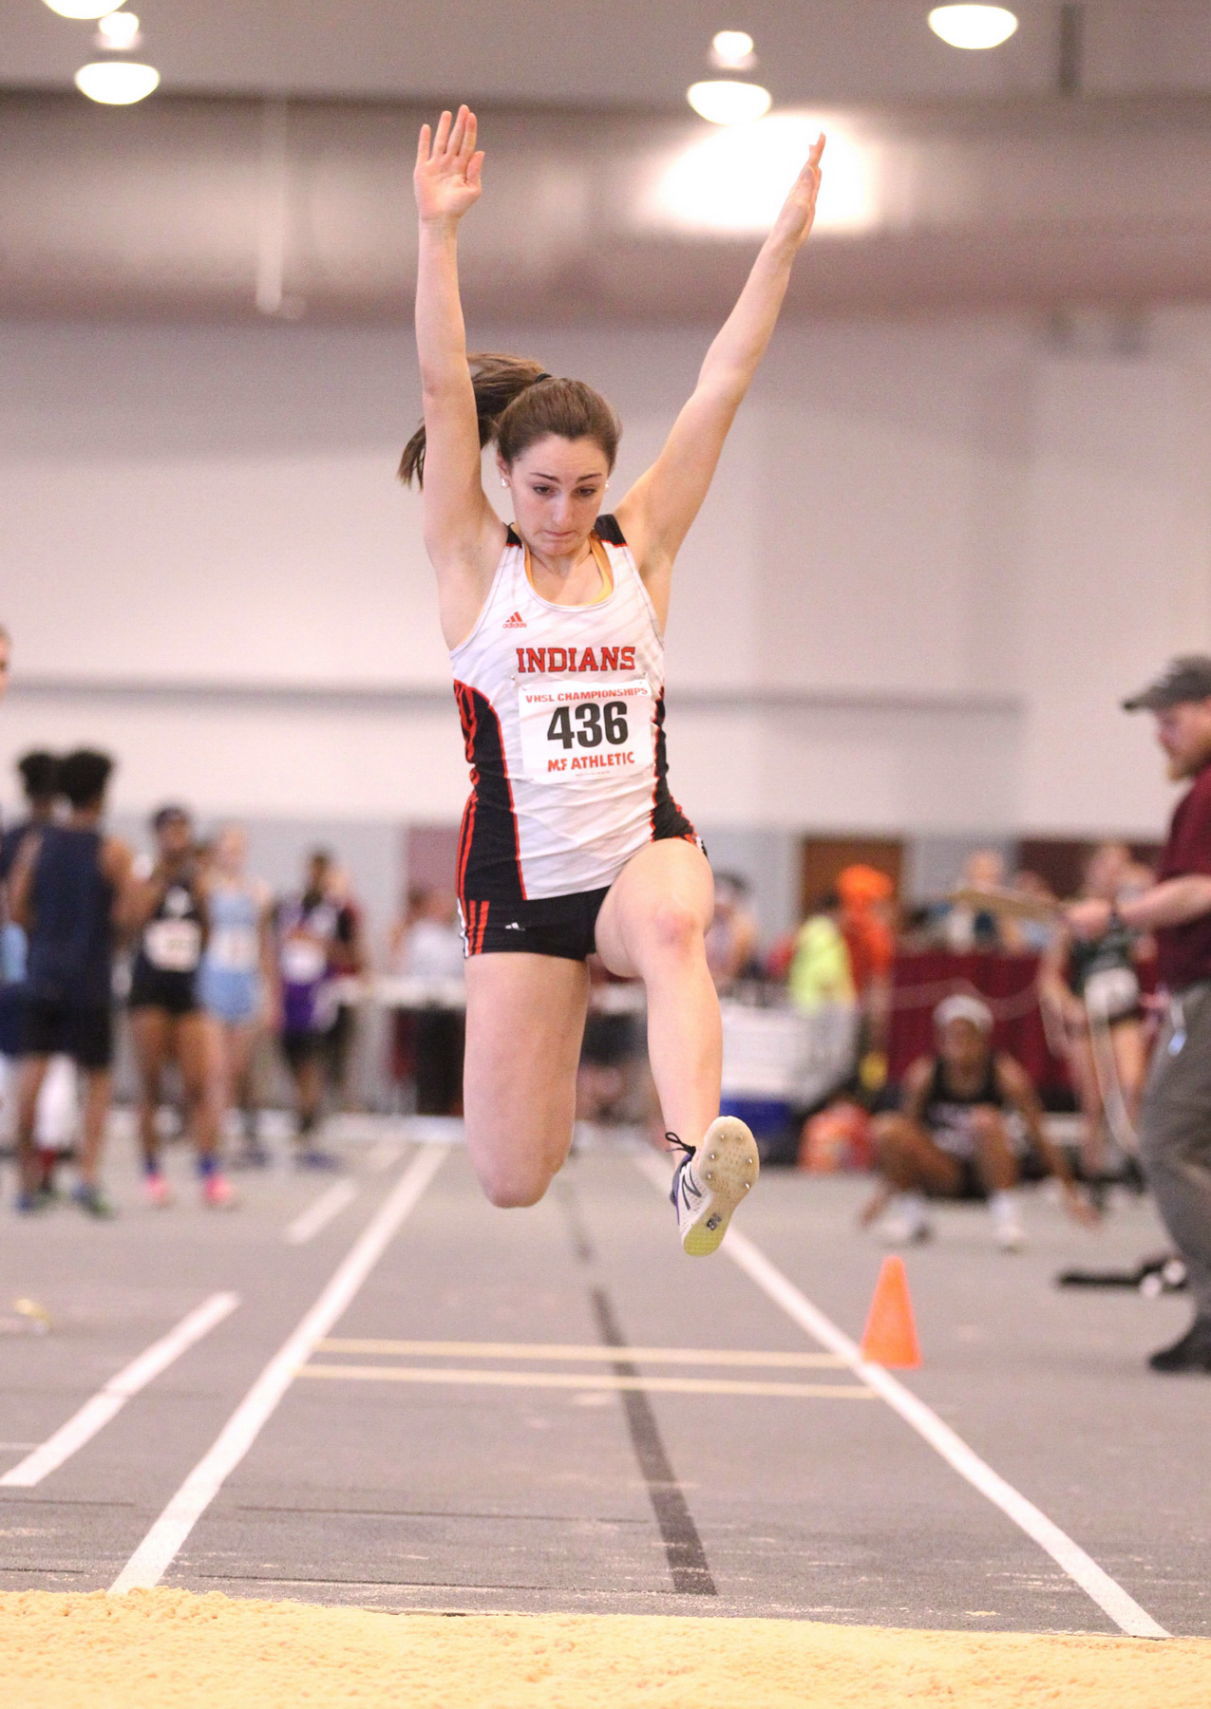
525,1022
653,925
151,1035
908,1159
995,1160
98,1094
200,1055
30,1075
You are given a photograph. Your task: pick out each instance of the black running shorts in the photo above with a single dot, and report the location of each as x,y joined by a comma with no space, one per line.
83,1031
562,926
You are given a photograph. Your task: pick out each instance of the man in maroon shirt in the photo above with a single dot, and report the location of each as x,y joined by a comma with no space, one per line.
1175,1122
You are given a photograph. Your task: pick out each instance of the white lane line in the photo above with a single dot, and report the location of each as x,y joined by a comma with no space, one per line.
96,1413
159,1548
318,1215
1084,1571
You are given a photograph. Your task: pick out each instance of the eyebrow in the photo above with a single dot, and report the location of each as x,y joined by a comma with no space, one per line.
596,475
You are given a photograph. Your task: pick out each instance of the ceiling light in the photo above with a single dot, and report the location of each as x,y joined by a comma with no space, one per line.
732,181
118,32
732,50
973,26
726,101
116,82
81,8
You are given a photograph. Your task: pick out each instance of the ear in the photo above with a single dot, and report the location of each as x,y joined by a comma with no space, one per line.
503,469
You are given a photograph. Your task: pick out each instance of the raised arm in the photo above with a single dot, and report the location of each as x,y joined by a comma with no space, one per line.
657,512
463,535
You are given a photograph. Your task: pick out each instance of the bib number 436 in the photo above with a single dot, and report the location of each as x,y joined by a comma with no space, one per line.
589,724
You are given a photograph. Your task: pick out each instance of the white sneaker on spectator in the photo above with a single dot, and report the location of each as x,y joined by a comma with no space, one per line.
905,1222
1007,1228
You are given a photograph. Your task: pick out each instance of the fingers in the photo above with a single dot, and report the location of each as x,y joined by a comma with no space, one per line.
817,149
453,140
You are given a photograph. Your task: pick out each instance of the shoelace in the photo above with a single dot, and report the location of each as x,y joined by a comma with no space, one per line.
676,1140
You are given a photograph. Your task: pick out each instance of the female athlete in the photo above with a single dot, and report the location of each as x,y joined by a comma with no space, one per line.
571,841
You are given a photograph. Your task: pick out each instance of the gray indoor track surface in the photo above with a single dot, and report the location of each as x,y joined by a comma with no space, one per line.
416,1401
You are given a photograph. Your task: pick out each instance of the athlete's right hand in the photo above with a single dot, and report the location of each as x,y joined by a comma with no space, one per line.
448,166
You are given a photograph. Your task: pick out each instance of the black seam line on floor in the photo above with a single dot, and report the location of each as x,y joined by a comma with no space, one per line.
682,1545
582,1246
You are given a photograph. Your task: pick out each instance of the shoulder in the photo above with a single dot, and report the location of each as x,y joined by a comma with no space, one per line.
920,1073
1010,1073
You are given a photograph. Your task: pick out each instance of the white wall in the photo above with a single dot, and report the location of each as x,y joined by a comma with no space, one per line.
935,556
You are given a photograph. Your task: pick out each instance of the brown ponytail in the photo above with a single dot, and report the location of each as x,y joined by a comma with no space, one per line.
517,402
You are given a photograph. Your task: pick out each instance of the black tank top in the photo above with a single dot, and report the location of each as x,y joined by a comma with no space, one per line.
944,1107
71,939
165,967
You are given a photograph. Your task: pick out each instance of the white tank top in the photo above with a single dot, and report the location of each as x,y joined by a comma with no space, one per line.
562,709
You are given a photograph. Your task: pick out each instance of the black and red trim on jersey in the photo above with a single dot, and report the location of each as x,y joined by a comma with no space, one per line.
489,860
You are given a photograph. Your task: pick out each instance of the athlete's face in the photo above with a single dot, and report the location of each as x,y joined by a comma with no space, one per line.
962,1044
174,837
230,851
557,487
1184,732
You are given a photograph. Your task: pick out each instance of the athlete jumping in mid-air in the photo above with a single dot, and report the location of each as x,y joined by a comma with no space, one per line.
571,841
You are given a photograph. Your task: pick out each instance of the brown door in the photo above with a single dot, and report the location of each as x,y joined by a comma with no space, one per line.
824,857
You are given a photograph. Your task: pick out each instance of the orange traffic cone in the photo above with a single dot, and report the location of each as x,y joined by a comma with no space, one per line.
890,1336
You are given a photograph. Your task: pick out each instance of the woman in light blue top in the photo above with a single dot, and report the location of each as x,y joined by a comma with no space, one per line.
237,979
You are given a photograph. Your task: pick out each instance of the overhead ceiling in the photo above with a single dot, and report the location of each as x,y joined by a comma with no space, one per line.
613,53
269,174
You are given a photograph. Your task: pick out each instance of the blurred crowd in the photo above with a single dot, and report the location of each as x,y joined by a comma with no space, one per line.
234,996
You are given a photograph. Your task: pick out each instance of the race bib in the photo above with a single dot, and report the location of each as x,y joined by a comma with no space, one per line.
174,946
596,726
303,962
233,948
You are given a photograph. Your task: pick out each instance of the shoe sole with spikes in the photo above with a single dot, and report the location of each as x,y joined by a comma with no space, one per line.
724,1166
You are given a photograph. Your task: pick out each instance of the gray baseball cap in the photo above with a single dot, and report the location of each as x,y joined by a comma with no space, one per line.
961,1007
1184,678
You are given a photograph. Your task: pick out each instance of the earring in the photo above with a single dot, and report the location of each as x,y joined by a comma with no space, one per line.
503,481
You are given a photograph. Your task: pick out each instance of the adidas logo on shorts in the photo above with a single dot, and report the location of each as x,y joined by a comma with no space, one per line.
517,621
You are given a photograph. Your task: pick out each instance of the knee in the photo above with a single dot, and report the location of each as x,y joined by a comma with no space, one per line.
513,1189
891,1137
674,927
988,1128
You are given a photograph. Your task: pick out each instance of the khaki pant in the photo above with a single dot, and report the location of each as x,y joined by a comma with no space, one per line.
1175,1133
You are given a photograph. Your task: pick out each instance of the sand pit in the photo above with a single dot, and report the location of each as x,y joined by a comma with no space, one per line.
163,1649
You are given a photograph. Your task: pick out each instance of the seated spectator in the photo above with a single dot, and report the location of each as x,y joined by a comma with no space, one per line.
953,1138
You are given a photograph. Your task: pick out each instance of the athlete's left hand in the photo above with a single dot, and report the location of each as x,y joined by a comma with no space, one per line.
799,209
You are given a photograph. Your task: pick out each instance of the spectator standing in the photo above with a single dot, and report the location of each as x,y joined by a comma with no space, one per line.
72,890
1092,983
318,943
237,978
428,946
1175,1118
168,1023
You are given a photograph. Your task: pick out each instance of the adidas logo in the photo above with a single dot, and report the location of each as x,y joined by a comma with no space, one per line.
517,621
